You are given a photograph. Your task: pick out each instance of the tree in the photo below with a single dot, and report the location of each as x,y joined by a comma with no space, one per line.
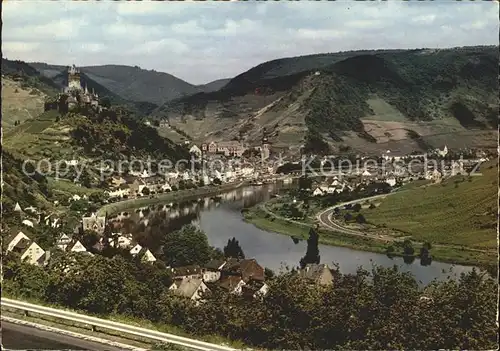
86,179
305,182
408,249
186,246
146,191
356,207
217,181
233,249
98,197
312,253
360,219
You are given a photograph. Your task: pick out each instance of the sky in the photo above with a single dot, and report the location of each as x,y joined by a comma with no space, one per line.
203,41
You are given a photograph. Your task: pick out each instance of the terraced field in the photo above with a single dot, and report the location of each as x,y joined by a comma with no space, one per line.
42,137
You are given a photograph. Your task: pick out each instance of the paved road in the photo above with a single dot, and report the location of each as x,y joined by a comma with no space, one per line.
325,219
22,337
116,326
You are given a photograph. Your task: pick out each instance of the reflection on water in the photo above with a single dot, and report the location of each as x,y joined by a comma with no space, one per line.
220,218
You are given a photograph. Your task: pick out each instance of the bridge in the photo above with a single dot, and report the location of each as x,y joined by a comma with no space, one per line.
123,328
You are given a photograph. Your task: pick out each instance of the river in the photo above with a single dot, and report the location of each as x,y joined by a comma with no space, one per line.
220,218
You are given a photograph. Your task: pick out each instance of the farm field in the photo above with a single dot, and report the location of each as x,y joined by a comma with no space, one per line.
460,211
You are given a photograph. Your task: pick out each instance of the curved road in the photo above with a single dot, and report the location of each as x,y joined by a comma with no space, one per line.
325,220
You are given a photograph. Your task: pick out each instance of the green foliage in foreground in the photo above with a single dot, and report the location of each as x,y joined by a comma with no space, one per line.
381,309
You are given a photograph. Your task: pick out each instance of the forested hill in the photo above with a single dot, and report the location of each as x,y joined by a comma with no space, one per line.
334,94
29,75
136,84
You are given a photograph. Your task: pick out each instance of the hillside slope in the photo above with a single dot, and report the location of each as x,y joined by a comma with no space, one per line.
19,102
213,86
459,211
134,83
367,100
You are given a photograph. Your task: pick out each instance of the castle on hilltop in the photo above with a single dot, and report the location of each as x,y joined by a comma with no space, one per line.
77,94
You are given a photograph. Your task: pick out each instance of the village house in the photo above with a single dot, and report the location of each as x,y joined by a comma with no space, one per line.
212,270
318,192
232,284
29,252
227,148
116,181
63,241
123,190
94,223
15,239
146,256
164,123
135,250
77,246
17,208
136,185
191,288
318,274
247,269
255,289
28,223
195,150
122,241
187,272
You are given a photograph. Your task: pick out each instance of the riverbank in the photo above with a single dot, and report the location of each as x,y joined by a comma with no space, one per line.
263,220
174,196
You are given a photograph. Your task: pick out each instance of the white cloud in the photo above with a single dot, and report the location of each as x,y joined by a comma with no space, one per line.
18,47
156,46
200,42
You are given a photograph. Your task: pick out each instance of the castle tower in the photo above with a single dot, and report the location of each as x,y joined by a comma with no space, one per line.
74,78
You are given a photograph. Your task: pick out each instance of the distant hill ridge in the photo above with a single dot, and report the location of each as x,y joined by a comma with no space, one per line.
134,83
355,98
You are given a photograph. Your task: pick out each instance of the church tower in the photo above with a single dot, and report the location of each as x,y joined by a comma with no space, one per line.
265,147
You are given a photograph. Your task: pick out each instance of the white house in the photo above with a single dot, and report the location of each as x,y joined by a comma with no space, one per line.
147,256
78,247
186,176
33,254
94,222
212,270
75,197
233,284
166,187
28,223
17,208
391,181
195,150
135,250
16,239
121,191
366,173
63,241
191,288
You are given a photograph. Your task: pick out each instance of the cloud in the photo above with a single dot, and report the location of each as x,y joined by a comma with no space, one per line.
200,42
